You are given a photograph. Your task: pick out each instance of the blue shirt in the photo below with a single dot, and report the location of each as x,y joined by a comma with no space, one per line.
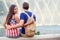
24,17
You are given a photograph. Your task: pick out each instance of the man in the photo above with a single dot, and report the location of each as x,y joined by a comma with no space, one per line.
24,18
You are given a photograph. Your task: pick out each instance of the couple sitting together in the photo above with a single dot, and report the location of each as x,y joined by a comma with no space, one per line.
24,25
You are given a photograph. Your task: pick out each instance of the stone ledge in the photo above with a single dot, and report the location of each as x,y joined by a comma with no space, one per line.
36,37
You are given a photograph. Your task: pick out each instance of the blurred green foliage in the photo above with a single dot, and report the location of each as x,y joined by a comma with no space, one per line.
37,33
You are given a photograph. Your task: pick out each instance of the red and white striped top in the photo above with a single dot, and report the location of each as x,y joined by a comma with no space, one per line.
12,32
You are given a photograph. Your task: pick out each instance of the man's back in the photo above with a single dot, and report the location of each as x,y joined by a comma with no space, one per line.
24,17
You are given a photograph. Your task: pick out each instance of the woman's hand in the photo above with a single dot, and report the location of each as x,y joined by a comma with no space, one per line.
8,26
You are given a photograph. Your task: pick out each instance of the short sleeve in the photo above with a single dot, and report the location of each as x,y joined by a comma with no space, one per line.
22,16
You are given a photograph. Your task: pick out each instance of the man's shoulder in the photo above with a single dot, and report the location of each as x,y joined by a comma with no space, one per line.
22,13
29,12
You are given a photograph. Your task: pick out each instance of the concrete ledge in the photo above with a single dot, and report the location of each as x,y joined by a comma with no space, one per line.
36,37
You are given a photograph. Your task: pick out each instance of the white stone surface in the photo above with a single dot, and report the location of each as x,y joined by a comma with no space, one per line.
36,37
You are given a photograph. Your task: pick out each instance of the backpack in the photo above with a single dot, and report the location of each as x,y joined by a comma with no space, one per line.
30,29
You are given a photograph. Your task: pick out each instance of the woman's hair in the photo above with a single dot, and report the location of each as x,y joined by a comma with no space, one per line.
10,14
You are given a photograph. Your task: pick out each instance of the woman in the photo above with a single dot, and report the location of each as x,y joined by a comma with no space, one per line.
11,20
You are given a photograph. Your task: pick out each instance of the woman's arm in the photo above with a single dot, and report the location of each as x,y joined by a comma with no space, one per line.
5,24
18,24
16,18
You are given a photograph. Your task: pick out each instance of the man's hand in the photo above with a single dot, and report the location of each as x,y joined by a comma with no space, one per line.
29,23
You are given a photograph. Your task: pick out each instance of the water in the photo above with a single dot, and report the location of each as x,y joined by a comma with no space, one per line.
53,29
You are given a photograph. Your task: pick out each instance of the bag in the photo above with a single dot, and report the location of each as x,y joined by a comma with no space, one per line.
12,32
30,29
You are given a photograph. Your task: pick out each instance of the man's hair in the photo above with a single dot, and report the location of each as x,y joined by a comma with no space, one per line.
26,5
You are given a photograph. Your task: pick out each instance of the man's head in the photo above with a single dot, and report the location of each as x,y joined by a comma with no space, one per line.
25,5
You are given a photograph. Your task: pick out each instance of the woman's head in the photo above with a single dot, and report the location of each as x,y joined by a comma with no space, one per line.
12,11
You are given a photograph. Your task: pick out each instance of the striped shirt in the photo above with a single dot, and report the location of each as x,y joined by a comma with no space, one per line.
12,32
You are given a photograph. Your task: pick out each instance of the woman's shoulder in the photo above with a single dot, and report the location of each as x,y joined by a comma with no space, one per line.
13,17
16,16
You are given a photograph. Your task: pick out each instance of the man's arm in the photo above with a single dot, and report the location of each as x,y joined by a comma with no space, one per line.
31,21
28,23
20,24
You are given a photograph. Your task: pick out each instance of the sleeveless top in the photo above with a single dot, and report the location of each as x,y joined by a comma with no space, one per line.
12,32
12,21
